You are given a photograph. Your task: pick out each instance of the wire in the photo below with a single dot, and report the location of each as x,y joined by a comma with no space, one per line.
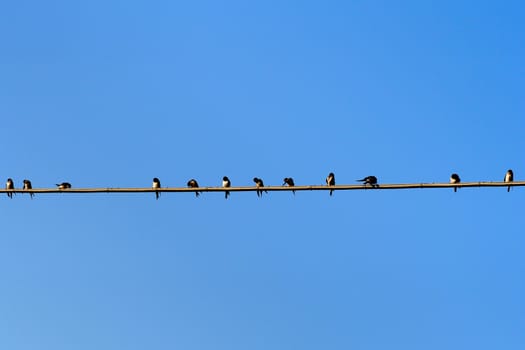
270,188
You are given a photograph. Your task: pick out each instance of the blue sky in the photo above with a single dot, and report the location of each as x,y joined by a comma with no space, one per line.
112,94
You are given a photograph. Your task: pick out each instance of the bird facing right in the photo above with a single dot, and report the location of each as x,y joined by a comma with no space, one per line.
509,177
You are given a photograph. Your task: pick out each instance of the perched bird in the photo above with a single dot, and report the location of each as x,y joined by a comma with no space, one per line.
509,177
289,181
330,181
28,186
226,183
370,180
259,183
64,186
193,184
10,185
454,179
156,184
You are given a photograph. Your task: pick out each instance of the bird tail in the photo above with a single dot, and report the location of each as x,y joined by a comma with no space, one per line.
331,191
226,194
508,189
157,195
455,189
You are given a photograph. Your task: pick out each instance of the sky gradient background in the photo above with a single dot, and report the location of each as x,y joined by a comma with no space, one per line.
114,93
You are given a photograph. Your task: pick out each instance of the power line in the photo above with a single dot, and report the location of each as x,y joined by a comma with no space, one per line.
269,188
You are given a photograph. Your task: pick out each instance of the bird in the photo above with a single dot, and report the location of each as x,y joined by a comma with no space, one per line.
289,181
454,179
156,184
330,181
193,184
63,185
226,183
10,185
509,177
259,183
28,186
371,180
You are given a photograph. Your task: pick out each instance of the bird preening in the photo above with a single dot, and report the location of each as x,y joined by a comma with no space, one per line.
28,186
289,181
193,184
259,184
369,180
330,181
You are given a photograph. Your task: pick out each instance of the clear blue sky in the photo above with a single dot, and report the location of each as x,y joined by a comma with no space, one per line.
114,93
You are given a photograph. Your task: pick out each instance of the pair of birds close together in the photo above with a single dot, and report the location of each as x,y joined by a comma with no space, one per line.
509,177
192,184
10,185
368,180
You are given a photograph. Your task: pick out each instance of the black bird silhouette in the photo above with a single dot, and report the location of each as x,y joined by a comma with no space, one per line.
454,179
28,186
330,181
259,183
370,180
226,183
289,181
193,184
509,177
156,184
64,185
10,185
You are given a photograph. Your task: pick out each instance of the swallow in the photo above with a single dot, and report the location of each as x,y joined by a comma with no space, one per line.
370,180
509,177
226,183
10,185
28,186
289,181
330,181
454,179
193,184
156,184
64,186
259,183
